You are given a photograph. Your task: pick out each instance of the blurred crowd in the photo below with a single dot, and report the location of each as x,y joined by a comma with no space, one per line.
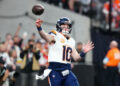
15,56
77,6
115,13
95,9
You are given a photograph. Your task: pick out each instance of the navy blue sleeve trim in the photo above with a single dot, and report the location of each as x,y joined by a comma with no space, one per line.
82,54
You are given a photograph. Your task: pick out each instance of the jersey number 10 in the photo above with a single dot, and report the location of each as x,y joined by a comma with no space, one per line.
67,53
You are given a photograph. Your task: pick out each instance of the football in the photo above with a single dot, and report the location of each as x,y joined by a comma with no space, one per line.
38,9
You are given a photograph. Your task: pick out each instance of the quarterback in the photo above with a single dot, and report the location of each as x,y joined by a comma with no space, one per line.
61,50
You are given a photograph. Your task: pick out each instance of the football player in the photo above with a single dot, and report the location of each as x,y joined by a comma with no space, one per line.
61,49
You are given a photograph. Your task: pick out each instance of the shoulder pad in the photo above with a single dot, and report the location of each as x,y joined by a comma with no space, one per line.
53,32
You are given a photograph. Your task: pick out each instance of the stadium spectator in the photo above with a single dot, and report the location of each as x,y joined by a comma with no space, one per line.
85,7
4,54
65,4
13,67
75,5
30,65
13,58
43,61
4,73
111,61
79,47
33,36
18,41
8,41
115,13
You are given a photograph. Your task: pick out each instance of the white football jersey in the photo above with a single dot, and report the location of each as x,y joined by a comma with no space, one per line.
61,50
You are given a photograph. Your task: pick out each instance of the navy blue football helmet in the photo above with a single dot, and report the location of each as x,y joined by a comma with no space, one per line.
61,21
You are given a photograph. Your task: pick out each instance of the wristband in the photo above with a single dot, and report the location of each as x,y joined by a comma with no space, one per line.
39,28
82,54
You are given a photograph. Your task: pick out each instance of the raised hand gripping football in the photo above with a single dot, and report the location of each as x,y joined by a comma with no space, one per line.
38,23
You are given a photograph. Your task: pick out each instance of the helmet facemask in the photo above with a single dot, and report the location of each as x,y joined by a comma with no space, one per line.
65,29
61,25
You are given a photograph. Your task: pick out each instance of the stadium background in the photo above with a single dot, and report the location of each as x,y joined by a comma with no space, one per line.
90,73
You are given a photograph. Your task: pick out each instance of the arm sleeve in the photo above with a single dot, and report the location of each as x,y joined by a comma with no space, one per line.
105,60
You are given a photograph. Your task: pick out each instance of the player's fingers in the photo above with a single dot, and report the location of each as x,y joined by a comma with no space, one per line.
39,21
91,48
38,25
91,44
88,42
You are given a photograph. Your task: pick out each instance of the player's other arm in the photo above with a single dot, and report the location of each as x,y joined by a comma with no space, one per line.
86,48
75,55
42,33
